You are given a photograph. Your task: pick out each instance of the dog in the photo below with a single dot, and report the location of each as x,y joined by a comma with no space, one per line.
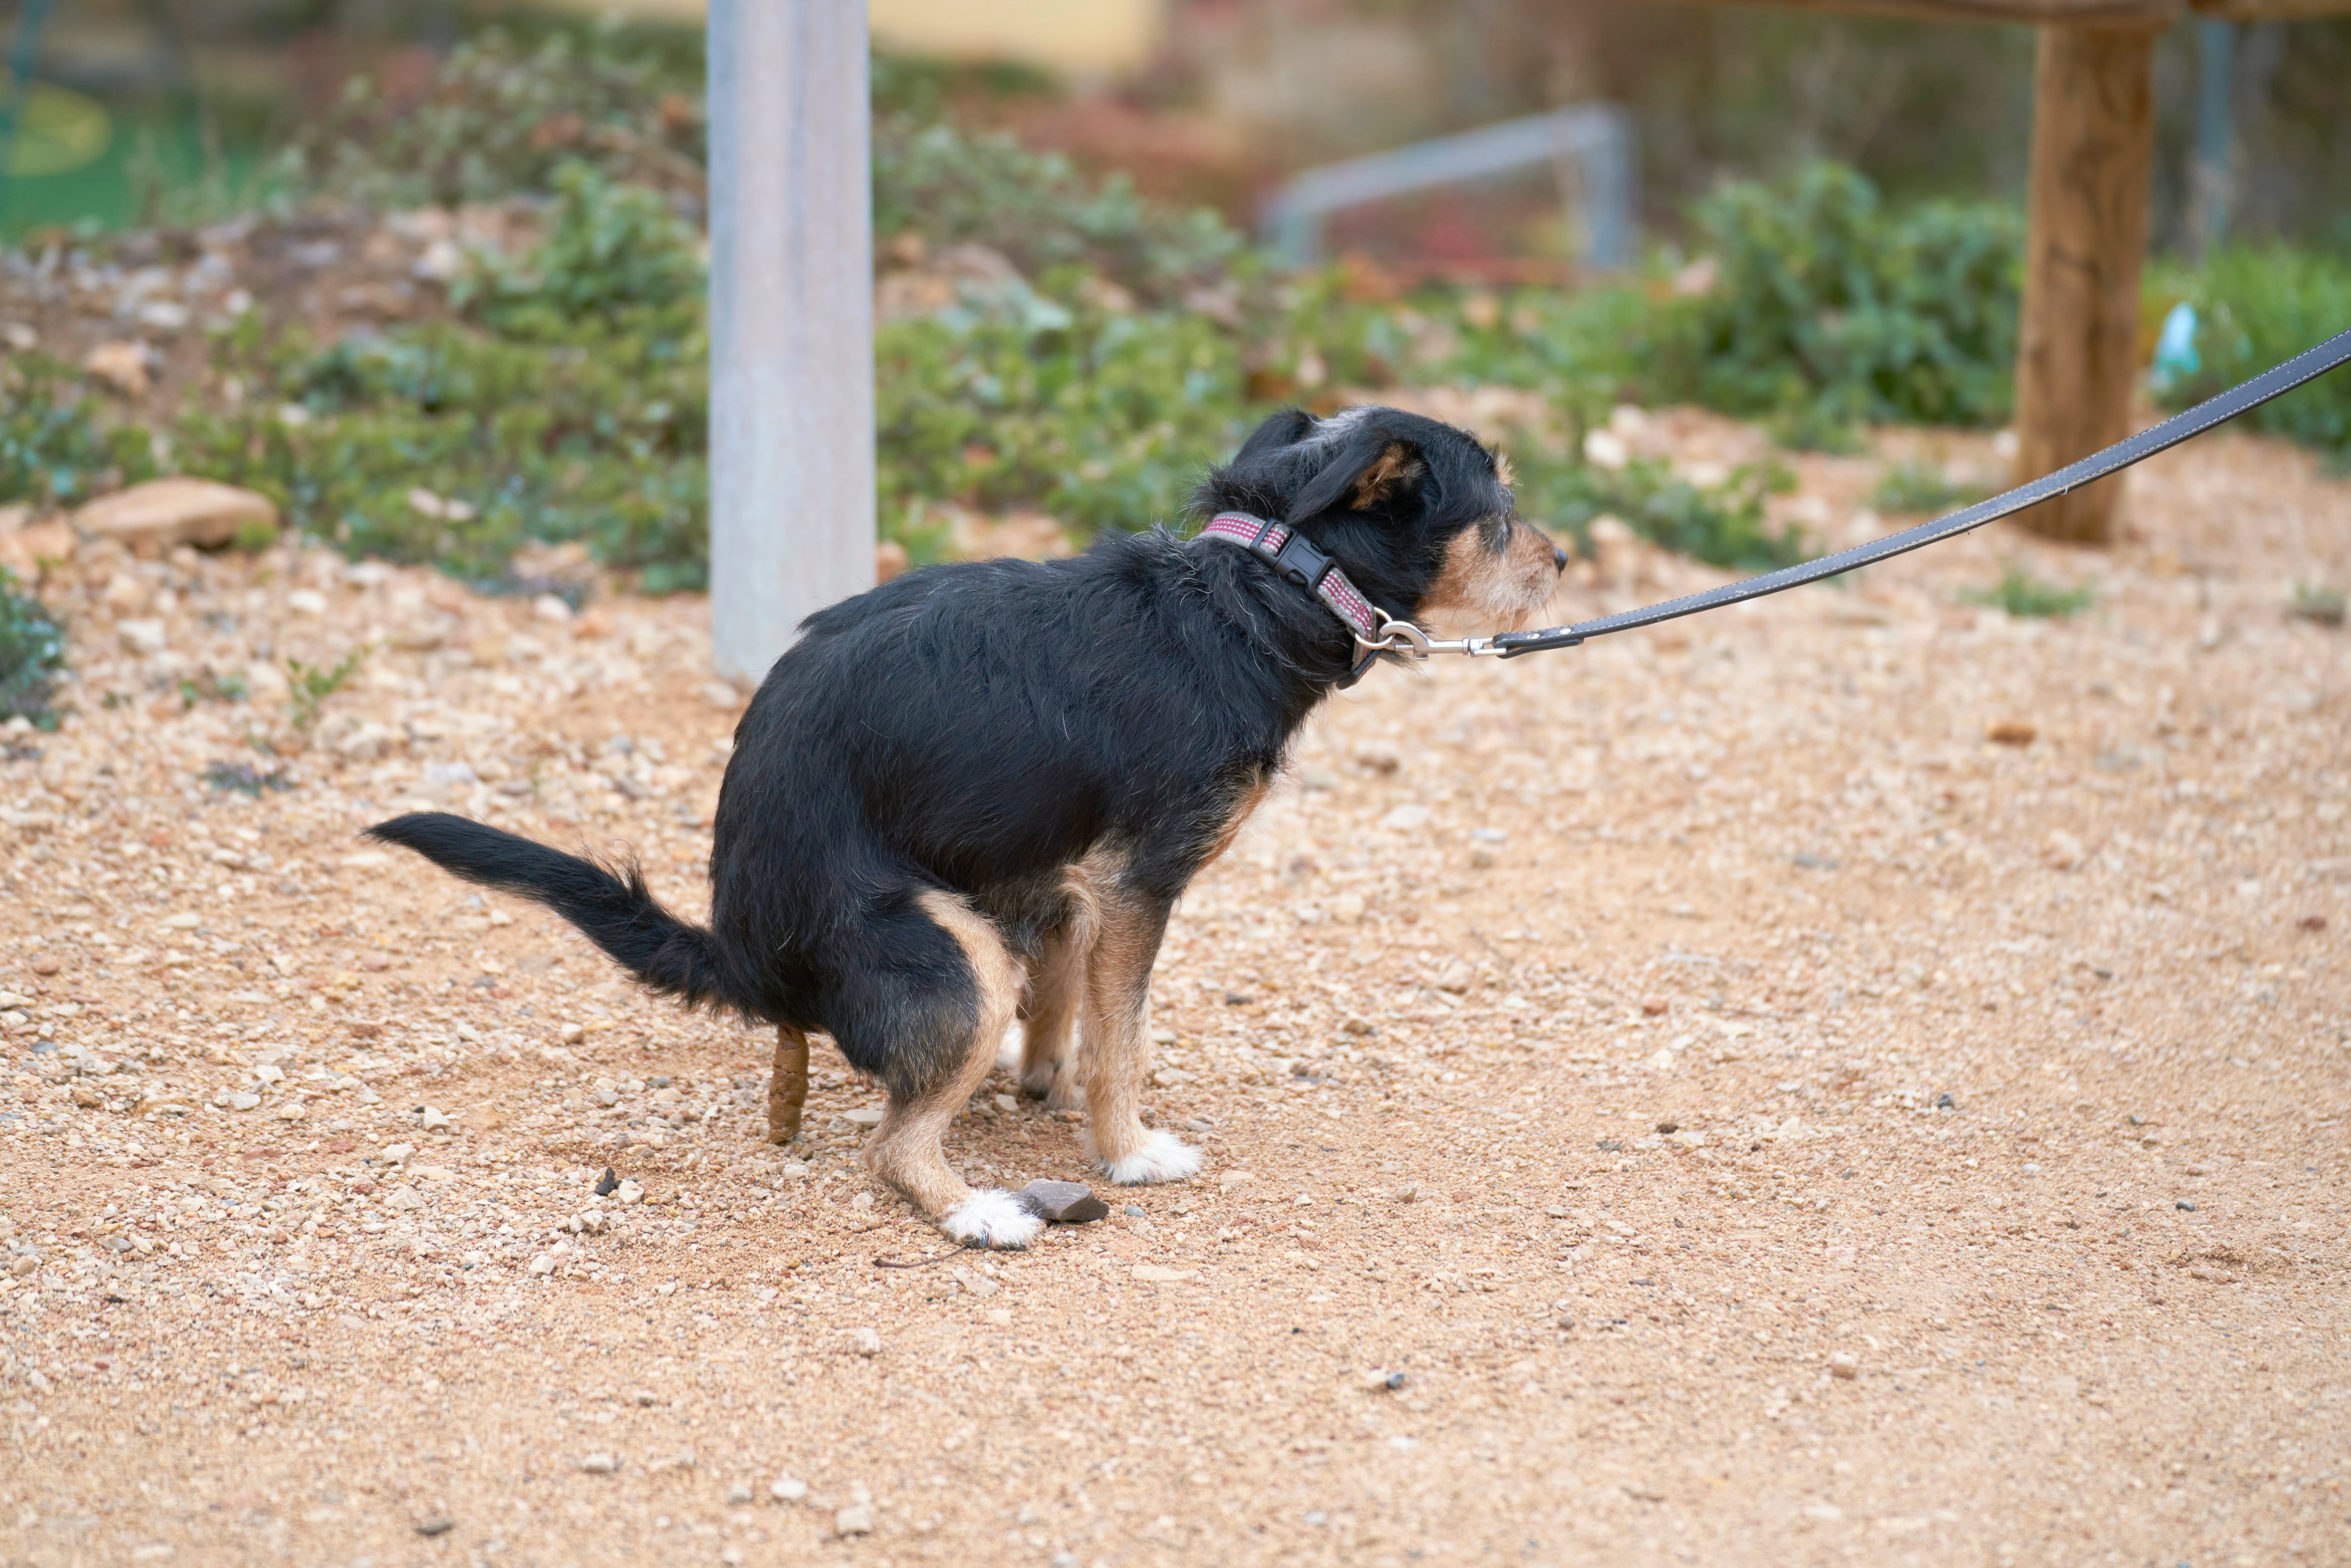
973,793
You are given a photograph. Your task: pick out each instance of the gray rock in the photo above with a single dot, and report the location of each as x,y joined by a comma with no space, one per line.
1063,1202
437,1525
2185,1206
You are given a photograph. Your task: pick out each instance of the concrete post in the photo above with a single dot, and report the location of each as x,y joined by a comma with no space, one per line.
791,321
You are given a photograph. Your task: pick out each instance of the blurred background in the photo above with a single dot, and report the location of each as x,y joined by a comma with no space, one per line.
428,274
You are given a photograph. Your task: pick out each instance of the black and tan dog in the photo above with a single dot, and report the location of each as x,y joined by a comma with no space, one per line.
973,793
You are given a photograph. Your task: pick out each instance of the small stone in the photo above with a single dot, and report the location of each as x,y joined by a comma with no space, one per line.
164,513
1061,1202
737,1495
1392,1381
1134,1211
436,1525
394,1154
1670,1128
869,1117
140,636
788,1488
2030,1168
599,1464
853,1521
977,1285
120,364
542,1264
244,1099
2011,732
865,1342
2185,1206
90,1099
1655,1007
1846,1364
628,1191
1945,1102
606,1184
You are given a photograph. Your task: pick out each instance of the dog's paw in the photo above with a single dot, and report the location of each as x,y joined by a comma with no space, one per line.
1162,1157
992,1217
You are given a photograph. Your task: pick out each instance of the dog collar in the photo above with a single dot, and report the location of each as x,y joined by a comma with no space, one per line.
1295,557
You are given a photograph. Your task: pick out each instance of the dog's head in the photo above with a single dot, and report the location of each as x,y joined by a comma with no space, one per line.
1417,512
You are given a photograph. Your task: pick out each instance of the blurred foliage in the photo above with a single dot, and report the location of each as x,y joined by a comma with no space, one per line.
501,117
31,652
2022,594
57,447
1723,524
949,186
1829,312
2257,308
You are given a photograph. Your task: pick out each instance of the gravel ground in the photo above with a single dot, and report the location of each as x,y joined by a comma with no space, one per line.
1697,1098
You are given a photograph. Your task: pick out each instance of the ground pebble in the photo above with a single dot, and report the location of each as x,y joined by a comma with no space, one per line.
737,1495
1063,1202
865,1342
853,1521
599,1464
788,1488
1844,1363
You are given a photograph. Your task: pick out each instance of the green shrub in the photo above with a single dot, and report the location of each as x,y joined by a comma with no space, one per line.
501,119
56,444
2258,306
2020,593
32,651
1828,311
613,249
951,187
1722,525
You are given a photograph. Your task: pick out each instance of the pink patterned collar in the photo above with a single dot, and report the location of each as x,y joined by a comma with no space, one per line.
1295,557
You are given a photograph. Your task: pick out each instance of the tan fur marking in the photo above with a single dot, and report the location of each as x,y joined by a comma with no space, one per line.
1117,1053
904,1151
1392,469
1248,803
1503,471
1507,588
787,1085
1056,990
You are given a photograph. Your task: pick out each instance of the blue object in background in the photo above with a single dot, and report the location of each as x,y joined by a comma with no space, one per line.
2175,349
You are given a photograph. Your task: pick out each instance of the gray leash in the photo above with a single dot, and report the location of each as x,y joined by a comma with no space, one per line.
1403,637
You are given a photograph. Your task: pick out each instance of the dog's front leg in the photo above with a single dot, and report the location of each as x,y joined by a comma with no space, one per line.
1117,1053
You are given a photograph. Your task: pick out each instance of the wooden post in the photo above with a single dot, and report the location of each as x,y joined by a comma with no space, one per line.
791,320
2077,358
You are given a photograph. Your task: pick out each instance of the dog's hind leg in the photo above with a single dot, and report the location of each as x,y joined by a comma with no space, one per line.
787,1085
930,1079
1117,1051
1049,1015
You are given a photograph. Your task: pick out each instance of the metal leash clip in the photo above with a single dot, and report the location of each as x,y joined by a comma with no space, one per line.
1404,637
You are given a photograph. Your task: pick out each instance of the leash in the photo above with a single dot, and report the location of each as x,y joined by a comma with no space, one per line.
1404,637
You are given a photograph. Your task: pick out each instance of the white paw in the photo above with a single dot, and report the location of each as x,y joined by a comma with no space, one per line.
992,1217
1162,1157
1008,1049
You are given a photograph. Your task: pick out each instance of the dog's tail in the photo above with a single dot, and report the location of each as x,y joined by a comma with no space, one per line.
611,906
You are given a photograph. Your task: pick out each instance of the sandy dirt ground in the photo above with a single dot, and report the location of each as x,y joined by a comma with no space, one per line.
1701,1098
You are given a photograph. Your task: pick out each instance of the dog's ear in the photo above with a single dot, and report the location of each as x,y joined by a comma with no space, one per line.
1369,469
1287,428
